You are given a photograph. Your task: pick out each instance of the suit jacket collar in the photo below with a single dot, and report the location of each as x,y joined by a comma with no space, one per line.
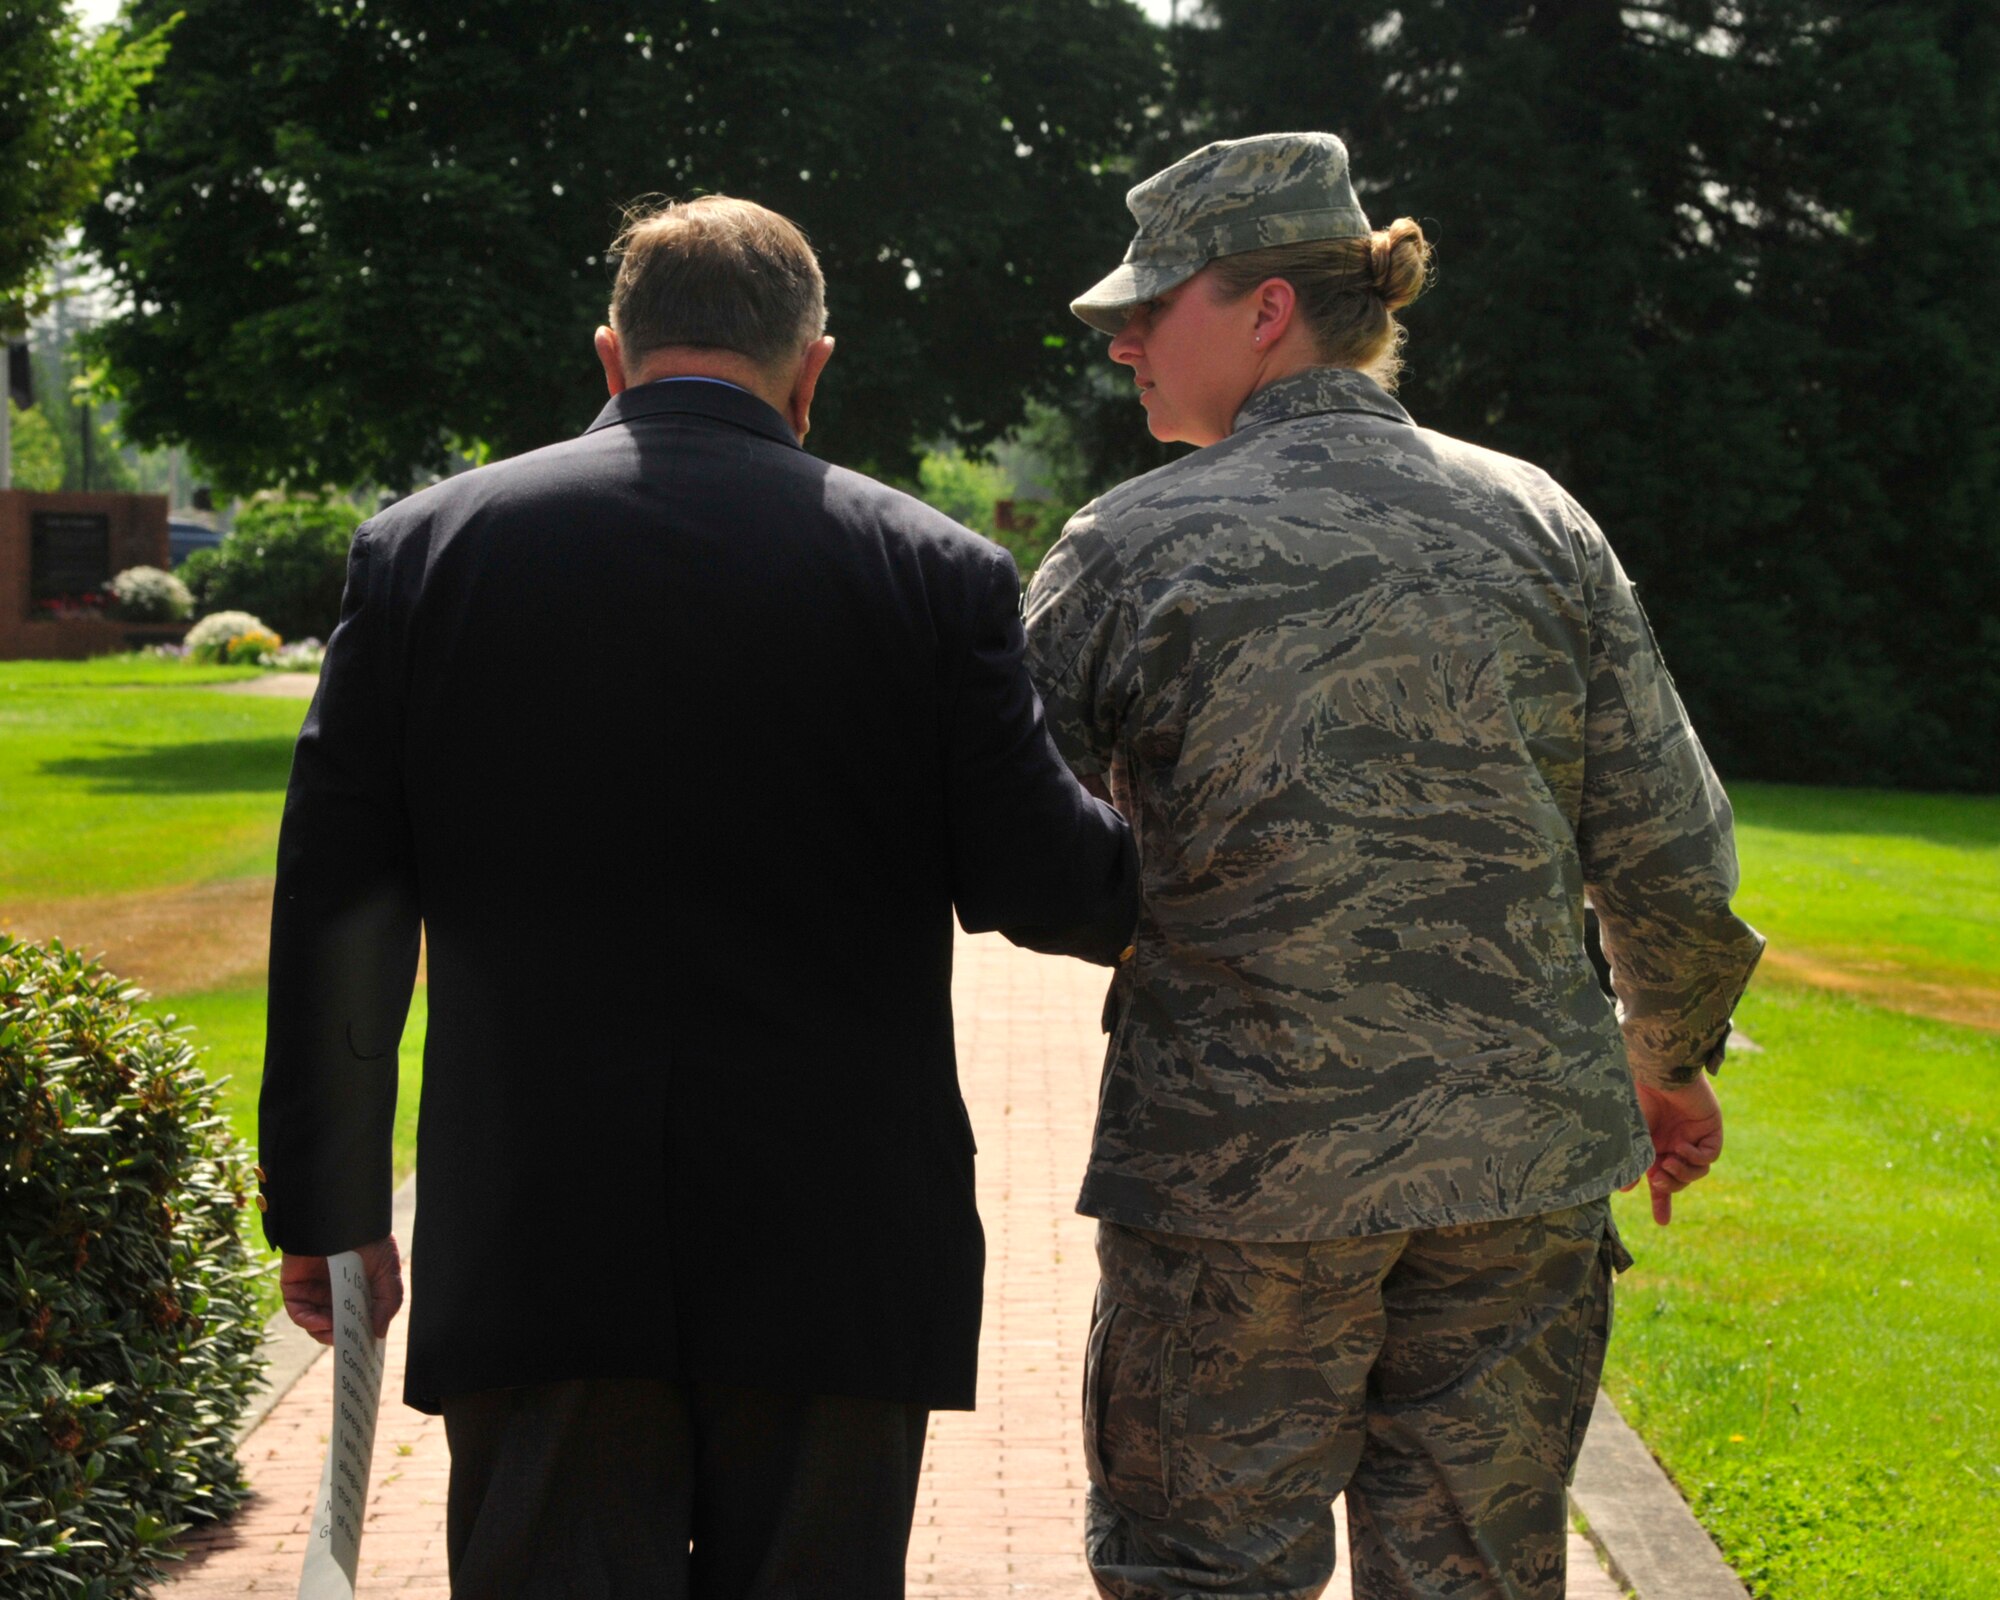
720,402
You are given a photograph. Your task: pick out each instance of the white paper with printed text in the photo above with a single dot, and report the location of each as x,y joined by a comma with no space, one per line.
334,1553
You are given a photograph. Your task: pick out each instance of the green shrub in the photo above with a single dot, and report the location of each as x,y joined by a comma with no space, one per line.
286,560
962,487
128,1342
210,639
255,648
1036,527
38,455
146,594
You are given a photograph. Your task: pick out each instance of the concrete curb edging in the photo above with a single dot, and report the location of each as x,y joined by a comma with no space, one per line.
1641,1526
288,1351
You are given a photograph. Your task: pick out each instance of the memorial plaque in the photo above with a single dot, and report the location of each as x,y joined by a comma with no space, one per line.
70,554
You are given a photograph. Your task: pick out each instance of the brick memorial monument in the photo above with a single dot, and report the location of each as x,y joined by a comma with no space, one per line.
57,552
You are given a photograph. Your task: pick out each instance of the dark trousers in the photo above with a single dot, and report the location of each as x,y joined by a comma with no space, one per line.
640,1490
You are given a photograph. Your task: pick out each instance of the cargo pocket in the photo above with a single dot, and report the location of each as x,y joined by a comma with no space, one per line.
1612,1259
1136,1368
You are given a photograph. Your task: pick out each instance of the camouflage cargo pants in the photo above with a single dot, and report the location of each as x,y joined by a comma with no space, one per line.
1441,1378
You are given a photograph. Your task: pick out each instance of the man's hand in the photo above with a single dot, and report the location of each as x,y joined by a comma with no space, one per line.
308,1290
1686,1125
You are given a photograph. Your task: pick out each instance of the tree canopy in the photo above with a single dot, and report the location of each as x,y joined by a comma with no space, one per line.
64,97
1724,269
357,234
1720,265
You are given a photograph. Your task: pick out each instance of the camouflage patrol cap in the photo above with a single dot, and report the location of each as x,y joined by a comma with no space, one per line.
1228,197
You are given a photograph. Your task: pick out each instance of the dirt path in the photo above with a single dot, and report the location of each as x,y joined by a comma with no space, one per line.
167,941
173,941
1969,1005
284,685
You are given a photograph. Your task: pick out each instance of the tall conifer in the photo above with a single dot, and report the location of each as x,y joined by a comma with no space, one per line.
1724,270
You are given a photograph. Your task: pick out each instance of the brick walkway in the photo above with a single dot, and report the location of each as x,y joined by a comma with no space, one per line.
1000,1507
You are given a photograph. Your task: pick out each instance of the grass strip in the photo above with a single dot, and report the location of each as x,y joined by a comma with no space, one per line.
111,787
1811,1348
229,1027
135,670
1897,884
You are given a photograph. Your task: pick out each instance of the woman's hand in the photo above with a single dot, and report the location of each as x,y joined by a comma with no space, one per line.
1686,1125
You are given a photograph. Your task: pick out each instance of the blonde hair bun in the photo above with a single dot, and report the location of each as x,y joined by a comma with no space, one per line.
1399,262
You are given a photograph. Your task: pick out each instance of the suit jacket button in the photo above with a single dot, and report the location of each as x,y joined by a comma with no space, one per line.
1128,952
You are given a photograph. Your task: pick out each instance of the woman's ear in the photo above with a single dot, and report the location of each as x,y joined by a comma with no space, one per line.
1277,303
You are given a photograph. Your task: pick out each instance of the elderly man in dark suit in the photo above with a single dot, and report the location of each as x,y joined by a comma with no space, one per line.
681,747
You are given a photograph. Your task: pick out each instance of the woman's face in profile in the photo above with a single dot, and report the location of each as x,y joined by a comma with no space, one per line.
1195,360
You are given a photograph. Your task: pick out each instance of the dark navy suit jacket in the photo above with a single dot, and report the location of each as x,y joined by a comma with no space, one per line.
682,747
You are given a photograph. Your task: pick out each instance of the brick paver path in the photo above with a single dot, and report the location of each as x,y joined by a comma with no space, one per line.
1000,1507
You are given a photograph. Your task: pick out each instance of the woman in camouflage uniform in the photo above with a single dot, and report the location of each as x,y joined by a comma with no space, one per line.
1382,708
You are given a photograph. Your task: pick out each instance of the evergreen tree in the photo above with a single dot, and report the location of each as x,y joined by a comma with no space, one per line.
1720,268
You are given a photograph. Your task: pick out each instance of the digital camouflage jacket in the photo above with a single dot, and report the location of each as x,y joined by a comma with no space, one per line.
1382,708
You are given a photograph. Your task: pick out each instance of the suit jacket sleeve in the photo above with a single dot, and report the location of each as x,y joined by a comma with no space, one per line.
1033,854
344,939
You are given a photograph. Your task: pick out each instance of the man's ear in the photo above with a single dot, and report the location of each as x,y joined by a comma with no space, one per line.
799,408
612,360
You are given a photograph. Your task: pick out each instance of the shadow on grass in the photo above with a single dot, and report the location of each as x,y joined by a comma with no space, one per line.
1960,821
212,766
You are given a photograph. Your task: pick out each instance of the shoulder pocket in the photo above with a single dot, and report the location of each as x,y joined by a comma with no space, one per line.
1659,721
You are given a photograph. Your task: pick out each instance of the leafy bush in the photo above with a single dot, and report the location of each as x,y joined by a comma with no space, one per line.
1048,458
982,495
128,1339
257,648
963,488
303,656
146,594
210,638
1032,530
286,560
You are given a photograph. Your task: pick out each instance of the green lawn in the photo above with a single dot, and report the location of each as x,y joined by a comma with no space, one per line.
1813,1347
138,670
1873,878
127,774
